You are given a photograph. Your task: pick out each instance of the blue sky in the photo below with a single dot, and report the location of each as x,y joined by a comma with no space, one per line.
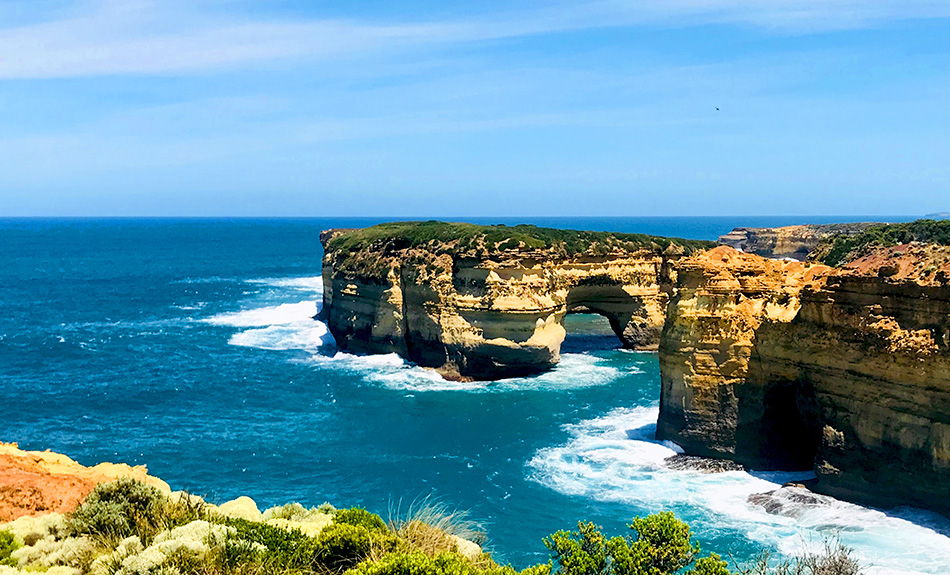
588,107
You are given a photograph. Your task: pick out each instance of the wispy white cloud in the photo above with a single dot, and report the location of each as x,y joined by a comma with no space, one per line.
141,37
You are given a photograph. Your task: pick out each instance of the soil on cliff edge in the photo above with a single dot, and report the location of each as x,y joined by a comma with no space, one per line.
40,482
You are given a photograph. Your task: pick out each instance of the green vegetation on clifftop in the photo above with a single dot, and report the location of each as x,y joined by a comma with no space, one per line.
836,251
471,240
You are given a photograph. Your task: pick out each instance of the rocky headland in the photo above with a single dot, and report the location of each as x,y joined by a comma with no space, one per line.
792,242
487,302
844,369
840,364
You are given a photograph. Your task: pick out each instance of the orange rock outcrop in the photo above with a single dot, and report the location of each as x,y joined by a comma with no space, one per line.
39,482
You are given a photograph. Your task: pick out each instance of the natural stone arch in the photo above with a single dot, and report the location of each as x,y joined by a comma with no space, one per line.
635,313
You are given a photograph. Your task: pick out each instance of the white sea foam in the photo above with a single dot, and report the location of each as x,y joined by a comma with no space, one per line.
308,335
616,458
280,325
391,372
283,314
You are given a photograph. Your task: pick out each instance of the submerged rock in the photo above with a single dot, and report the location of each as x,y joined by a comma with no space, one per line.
789,501
681,462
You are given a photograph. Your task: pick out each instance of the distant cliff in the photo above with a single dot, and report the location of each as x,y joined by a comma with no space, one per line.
794,242
844,370
487,302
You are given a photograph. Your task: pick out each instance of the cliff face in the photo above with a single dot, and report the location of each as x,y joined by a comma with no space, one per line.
795,242
714,400
494,307
786,364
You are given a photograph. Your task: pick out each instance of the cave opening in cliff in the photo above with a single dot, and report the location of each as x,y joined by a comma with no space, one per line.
790,432
588,332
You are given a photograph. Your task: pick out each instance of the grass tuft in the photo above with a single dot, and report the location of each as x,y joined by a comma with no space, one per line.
441,520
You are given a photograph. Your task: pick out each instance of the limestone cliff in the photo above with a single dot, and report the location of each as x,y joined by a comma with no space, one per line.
486,302
846,369
795,242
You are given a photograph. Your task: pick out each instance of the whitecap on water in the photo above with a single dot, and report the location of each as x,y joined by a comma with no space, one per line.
391,372
298,335
280,325
615,458
283,314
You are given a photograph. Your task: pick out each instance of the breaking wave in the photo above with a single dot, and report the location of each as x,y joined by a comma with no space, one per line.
283,326
392,372
615,458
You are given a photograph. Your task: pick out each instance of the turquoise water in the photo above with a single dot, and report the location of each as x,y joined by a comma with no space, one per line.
188,346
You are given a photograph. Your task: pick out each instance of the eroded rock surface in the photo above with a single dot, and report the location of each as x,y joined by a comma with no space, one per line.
777,364
489,302
795,242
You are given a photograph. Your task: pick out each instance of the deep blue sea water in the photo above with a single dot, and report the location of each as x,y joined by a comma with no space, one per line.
187,346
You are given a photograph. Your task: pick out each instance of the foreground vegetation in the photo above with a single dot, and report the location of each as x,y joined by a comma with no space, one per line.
464,240
129,528
839,250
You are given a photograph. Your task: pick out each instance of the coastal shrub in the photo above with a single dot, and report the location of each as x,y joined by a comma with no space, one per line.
661,546
457,238
340,546
290,512
840,250
190,548
360,517
418,563
116,510
832,559
8,544
280,550
182,508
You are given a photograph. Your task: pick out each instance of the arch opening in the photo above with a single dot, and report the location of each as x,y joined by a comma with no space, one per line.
588,331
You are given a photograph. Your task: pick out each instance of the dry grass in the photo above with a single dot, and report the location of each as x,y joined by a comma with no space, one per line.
832,559
435,513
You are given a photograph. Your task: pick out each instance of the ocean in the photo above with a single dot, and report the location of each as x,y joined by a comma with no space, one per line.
188,346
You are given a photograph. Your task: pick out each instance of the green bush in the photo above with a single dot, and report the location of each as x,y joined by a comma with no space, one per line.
360,517
286,549
418,563
456,238
8,544
340,546
120,509
839,250
661,546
